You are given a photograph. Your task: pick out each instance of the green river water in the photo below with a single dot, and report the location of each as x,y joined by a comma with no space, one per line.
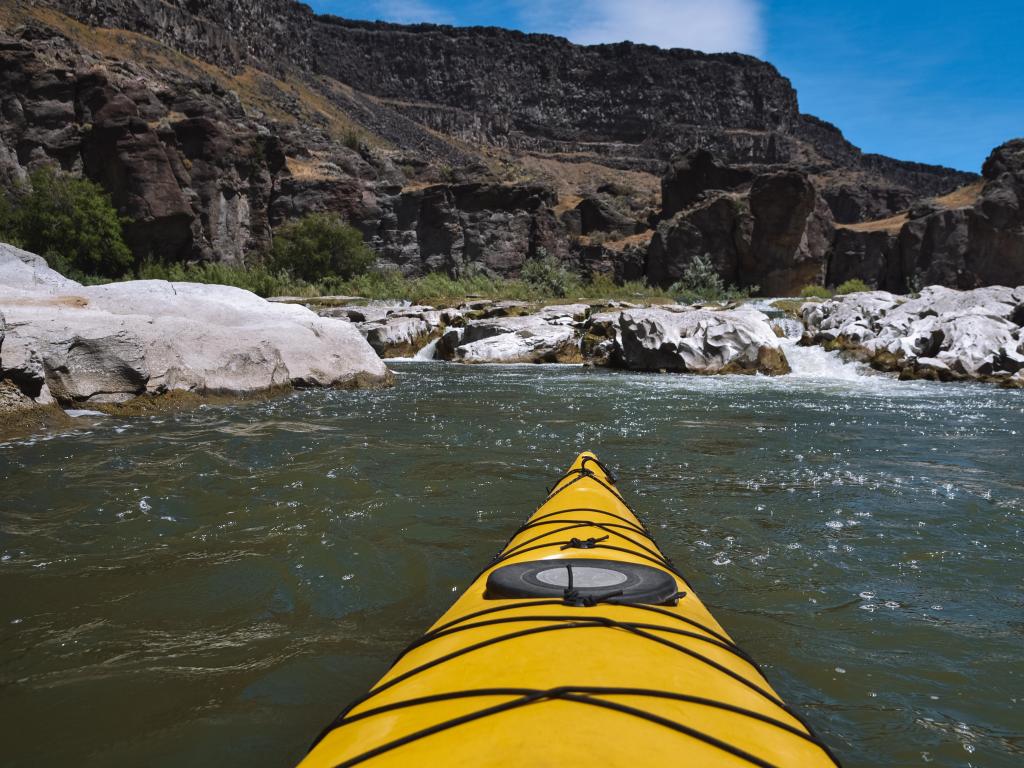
211,587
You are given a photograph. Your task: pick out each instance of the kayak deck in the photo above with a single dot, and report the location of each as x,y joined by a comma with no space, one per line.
584,670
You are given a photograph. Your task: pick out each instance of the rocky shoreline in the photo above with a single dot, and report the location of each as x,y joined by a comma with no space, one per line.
137,346
666,338
941,334
68,346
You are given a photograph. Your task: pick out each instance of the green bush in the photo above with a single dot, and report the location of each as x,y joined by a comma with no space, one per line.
68,221
548,274
815,292
8,231
701,279
701,282
320,246
852,286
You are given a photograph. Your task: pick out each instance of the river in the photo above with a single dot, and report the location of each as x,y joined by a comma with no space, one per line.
211,587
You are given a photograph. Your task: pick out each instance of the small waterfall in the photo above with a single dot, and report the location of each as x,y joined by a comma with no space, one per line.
807,362
816,363
791,327
428,352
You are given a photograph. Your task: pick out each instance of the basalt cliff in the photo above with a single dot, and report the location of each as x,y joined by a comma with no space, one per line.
475,148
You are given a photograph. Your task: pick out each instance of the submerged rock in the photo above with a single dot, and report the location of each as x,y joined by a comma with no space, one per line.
700,341
110,343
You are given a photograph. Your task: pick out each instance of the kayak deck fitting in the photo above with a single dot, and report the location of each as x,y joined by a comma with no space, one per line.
579,645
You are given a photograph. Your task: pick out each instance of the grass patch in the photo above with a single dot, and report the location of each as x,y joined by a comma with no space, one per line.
852,286
815,292
435,288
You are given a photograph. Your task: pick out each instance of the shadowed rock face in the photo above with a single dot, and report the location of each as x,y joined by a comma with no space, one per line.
773,232
689,176
976,243
792,233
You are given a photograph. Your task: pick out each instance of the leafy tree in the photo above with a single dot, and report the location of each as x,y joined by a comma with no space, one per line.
320,245
68,221
852,286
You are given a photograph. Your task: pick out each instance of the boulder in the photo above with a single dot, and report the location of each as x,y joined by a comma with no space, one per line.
110,343
529,339
398,336
700,341
596,214
601,343
564,313
541,343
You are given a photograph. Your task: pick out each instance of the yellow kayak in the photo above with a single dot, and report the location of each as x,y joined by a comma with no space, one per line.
579,645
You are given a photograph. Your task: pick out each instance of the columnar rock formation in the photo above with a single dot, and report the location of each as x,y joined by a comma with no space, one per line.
212,123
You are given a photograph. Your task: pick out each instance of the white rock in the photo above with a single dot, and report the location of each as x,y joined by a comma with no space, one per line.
397,336
112,342
969,333
533,344
700,341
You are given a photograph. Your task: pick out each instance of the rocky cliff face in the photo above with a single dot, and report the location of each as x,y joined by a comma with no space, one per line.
972,238
211,123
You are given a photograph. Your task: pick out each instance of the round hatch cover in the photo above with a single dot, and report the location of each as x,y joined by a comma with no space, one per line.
591,577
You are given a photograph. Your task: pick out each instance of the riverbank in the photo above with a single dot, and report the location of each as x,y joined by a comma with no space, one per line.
151,345
126,345
940,334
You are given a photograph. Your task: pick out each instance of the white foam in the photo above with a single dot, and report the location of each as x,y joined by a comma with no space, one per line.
816,363
428,352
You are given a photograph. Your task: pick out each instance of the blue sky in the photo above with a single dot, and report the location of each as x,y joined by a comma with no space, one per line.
935,81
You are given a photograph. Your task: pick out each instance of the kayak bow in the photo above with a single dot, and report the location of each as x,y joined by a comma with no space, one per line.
579,645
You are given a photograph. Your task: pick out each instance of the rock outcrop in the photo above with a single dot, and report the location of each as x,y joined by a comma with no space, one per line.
672,338
942,334
771,230
105,344
792,234
971,238
700,341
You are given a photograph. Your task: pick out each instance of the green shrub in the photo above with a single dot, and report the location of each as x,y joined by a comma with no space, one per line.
353,139
701,282
68,221
8,231
852,286
815,292
548,274
320,246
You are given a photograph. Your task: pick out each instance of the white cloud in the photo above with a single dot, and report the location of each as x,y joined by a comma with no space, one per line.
705,25
406,12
